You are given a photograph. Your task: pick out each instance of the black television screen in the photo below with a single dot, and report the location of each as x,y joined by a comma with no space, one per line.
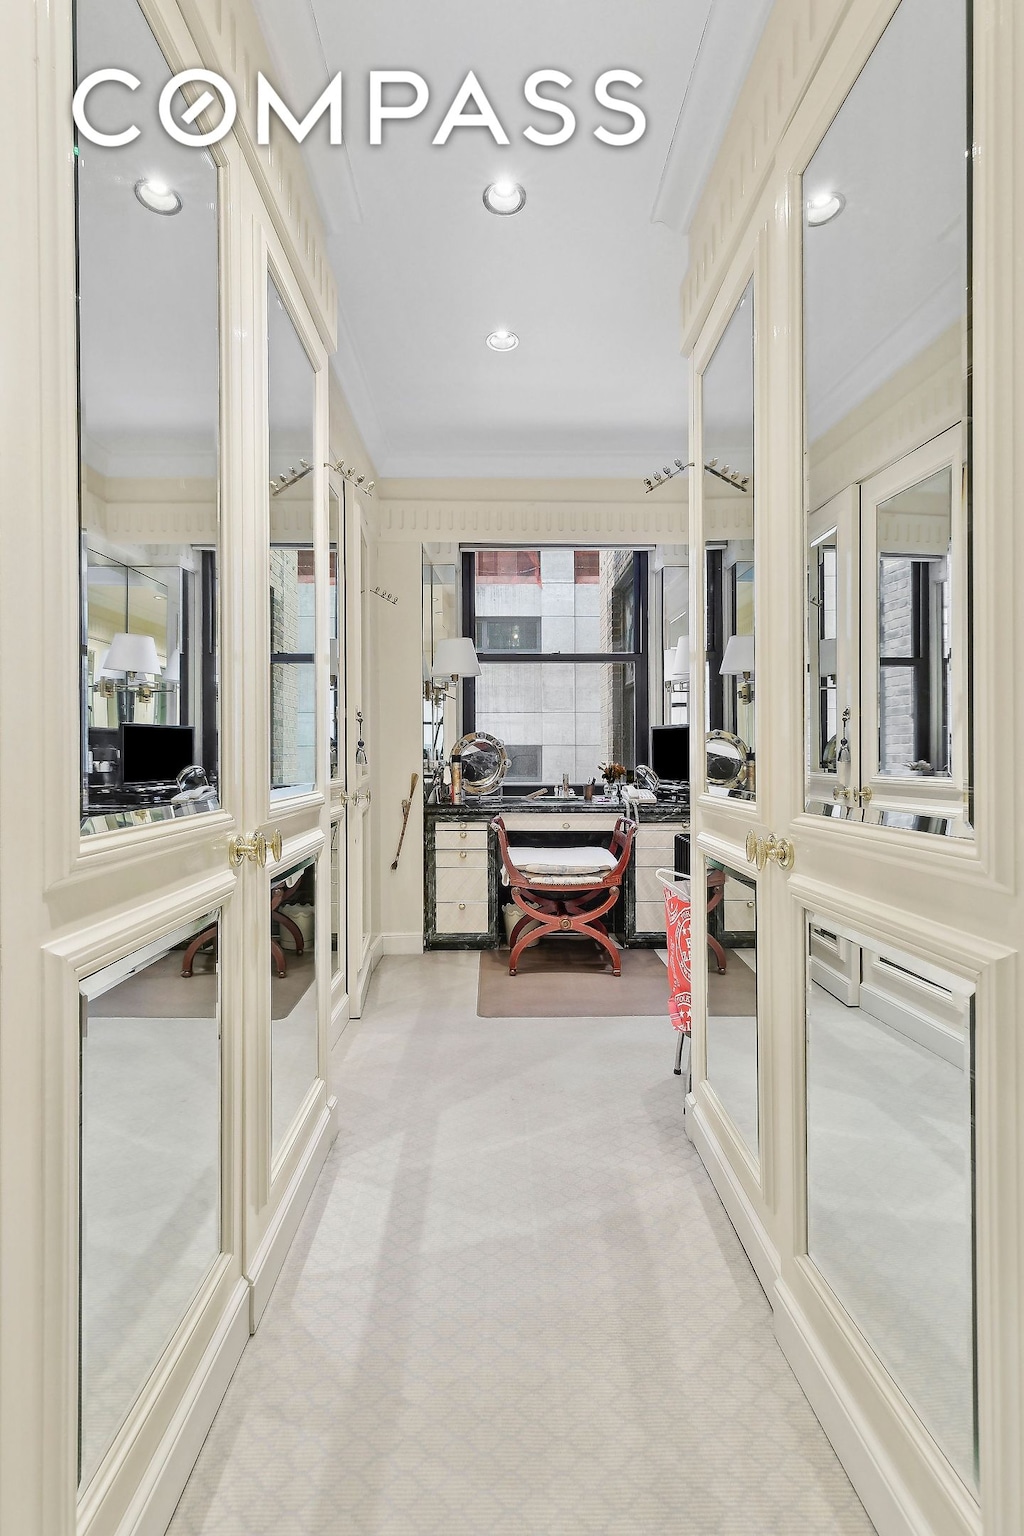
155,754
670,752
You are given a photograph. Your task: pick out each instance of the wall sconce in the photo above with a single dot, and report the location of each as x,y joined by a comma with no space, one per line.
677,667
136,657
738,661
453,659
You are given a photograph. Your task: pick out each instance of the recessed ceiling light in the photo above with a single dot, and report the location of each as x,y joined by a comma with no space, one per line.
824,206
157,196
503,341
504,197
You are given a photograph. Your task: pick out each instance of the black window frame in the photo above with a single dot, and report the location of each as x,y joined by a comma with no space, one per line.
638,656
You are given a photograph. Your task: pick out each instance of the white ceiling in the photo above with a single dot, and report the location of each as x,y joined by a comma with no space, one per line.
587,274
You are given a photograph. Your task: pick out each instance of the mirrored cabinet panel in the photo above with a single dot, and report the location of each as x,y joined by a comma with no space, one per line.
672,565
886,343
294,1064
149,384
337,614
339,880
150,1166
731,1038
889,1167
292,426
727,436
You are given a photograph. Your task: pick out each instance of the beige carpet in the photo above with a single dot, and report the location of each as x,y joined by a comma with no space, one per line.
515,1305
162,992
570,979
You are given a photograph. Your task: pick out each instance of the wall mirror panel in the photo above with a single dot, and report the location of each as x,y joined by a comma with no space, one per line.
442,620
339,881
731,1040
294,1065
886,342
889,1167
337,617
150,1166
674,593
292,453
727,452
149,383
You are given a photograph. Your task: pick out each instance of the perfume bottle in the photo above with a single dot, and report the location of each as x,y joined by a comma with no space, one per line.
458,788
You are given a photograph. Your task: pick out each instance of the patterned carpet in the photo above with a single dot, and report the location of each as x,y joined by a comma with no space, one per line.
515,1306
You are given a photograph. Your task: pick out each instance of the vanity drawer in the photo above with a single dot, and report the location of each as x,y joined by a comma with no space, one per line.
461,917
650,918
648,886
739,916
464,884
656,846
474,836
545,821
463,857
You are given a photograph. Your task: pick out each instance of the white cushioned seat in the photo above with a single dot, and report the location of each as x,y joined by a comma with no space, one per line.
576,862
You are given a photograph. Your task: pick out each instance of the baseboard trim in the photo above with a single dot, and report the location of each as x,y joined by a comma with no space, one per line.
156,1498
403,943
270,1255
339,1021
760,1250
926,1032
357,997
888,1505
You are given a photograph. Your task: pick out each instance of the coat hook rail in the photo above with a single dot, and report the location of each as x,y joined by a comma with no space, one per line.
347,472
731,476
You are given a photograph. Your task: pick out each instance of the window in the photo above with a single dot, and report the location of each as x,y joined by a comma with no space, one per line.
561,636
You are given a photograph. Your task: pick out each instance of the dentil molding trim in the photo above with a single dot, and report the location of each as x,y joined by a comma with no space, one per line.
503,522
229,40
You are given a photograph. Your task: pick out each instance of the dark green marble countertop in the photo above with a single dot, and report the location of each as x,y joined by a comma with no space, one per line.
487,809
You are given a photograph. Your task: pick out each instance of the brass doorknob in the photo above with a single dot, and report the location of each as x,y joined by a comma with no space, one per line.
760,849
756,850
254,848
781,850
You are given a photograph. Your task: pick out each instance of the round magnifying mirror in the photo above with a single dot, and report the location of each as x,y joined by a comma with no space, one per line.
727,760
484,762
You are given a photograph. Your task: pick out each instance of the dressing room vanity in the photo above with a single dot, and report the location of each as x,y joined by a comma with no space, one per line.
462,870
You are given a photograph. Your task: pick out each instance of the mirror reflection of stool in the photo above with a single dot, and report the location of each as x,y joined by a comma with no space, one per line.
280,895
716,895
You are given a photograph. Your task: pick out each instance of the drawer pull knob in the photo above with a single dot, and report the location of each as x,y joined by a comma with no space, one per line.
462,834
463,854
462,906
565,826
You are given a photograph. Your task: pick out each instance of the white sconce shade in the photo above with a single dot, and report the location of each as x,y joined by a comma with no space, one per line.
172,671
132,653
827,660
681,665
456,658
739,657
